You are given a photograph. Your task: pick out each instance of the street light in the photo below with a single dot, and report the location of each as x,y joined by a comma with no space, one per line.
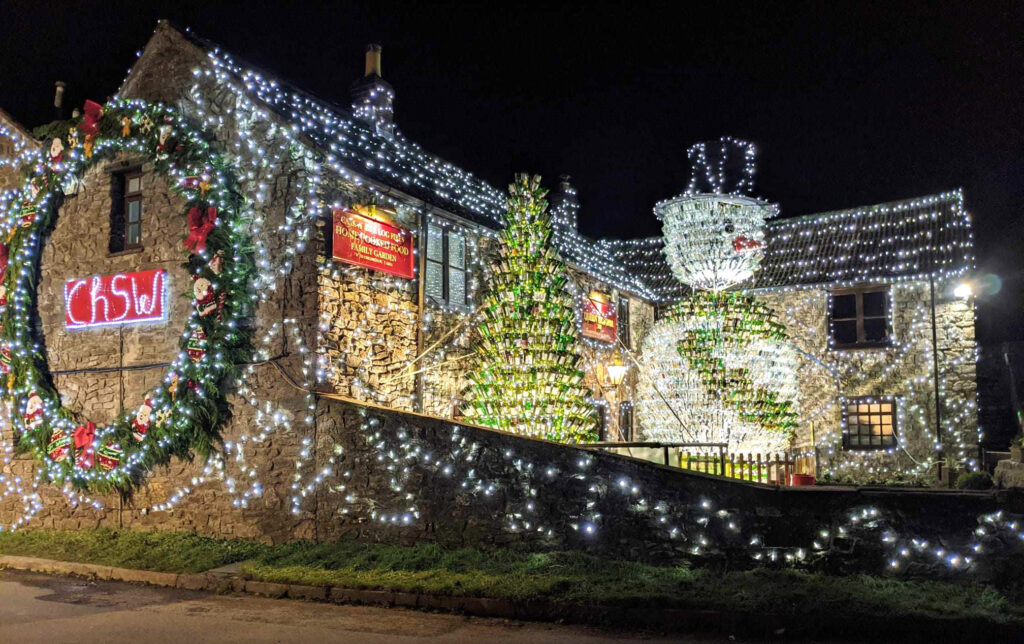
963,290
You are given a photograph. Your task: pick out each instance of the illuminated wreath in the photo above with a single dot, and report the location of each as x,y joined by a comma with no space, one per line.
185,413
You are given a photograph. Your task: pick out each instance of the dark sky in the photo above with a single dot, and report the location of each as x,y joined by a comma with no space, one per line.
850,104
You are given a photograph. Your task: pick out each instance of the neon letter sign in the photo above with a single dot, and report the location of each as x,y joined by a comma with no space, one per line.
124,298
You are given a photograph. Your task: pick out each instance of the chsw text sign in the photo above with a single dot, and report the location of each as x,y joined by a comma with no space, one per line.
366,242
124,298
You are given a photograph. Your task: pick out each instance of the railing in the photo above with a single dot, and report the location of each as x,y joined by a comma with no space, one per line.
714,459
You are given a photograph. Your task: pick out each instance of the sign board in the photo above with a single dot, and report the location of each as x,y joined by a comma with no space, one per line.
362,241
599,317
124,298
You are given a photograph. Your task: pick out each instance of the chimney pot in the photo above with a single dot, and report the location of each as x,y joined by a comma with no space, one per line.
58,96
373,60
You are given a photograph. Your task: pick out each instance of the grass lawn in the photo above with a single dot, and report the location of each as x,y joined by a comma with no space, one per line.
567,577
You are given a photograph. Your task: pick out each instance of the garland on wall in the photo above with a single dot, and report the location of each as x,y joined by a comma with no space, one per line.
184,414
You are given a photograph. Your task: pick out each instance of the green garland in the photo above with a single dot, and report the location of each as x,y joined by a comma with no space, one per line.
189,408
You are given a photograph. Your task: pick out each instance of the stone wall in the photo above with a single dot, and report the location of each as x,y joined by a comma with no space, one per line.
402,478
904,370
13,140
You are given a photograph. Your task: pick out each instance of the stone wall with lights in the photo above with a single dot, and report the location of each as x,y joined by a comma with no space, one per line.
15,148
401,478
904,370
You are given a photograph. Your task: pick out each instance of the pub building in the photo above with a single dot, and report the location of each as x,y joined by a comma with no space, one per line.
384,286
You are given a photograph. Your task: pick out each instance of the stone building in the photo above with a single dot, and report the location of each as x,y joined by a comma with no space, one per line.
16,146
394,331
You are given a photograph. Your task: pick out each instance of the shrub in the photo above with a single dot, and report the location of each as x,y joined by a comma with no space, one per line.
974,481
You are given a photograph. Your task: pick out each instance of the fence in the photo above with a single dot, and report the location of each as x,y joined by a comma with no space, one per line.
714,459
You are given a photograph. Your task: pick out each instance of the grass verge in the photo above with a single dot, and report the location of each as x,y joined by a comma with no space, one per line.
561,577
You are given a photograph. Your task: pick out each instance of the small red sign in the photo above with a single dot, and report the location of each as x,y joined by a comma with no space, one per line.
599,317
366,242
124,298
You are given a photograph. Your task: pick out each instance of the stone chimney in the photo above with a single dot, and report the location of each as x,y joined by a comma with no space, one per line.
373,97
58,99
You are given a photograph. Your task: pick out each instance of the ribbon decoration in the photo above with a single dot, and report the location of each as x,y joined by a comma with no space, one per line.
200,225
4,259
90,125
84,436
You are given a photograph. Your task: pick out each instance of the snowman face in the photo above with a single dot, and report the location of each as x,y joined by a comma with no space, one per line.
56,148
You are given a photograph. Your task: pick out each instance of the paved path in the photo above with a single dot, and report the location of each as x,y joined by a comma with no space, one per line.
40,609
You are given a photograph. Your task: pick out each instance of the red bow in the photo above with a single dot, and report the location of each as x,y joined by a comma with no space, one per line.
84,436
199,226
91,123
742,243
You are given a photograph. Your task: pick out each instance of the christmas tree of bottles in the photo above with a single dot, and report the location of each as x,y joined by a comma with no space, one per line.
526,378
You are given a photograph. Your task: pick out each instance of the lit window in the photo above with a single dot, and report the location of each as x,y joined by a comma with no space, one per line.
446,274
870,423
859,318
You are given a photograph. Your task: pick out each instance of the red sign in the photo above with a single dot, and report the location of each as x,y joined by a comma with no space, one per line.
599,317
124,298
370,243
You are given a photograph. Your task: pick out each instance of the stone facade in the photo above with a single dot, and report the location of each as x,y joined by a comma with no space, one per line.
14,139
904,370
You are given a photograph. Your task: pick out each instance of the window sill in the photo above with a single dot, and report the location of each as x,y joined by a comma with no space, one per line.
862,347
127,251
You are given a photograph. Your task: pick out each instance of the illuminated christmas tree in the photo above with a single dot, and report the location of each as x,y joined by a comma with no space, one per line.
527,378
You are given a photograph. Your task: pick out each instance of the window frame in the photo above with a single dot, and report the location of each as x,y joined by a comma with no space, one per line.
857,401
448,228
859,317
622,320
129,199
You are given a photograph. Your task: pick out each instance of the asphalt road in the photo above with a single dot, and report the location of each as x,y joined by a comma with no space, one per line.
40,609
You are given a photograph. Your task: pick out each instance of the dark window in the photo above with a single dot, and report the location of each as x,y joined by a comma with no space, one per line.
602,427
626,421
623,320
126,211
859,317
447,270
870,423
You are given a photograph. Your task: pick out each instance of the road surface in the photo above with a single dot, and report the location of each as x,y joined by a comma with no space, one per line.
40,609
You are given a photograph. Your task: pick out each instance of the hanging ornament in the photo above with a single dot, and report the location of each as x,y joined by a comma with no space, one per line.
163,140
216,263
6,359
196,345
33,416
56,153
142,420
59,446
72,139
108,456
205,299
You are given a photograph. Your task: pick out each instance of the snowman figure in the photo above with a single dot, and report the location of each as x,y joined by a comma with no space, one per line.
33,415
142,420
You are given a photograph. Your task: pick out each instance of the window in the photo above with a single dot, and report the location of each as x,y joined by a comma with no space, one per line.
446,274
859,318
870,423
623,320
126,211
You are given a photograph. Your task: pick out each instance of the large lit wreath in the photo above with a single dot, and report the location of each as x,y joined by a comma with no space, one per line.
185,413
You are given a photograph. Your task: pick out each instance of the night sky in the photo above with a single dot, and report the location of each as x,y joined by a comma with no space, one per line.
849,104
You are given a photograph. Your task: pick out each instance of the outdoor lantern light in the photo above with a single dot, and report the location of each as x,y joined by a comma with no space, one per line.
616,370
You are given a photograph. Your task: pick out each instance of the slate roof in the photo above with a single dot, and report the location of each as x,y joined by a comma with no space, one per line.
393,161
893,241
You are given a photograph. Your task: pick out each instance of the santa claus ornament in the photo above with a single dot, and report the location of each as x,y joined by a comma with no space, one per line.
142,421
56,152
33,416
206,299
